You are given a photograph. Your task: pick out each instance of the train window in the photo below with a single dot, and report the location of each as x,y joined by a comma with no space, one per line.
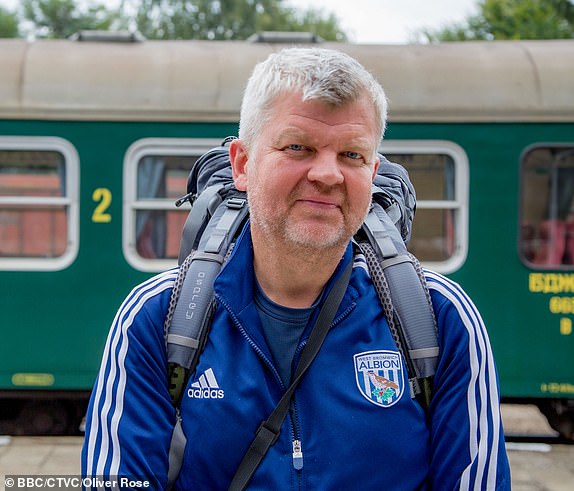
155,175
38,203
547,207
439,172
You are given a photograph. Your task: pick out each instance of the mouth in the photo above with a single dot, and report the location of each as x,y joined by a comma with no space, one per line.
319,203
319,209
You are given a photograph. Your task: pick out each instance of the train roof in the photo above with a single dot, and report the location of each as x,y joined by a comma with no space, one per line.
204,80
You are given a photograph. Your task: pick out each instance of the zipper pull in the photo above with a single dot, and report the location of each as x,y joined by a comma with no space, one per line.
297,455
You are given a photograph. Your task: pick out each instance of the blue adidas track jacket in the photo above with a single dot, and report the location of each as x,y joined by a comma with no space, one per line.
353,423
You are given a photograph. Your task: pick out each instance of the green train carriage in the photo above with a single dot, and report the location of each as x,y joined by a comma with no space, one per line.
97,139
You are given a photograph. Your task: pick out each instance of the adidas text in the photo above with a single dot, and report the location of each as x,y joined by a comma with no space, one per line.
206,393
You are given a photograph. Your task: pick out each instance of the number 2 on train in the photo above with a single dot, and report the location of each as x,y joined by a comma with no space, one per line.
102,196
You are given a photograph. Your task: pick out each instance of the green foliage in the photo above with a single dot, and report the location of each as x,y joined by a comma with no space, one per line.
226,19
62,18
169,19
323,24
8,24
512,19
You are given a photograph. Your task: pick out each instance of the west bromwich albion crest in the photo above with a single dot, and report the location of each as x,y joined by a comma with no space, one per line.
379,376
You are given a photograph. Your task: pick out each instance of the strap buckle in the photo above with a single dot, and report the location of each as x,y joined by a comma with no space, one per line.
265,438
236,203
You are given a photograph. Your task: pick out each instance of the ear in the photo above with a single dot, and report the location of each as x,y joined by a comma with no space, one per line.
375,167
239,157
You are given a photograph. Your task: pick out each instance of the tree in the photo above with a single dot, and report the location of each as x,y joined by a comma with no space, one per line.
62,18
8,24
224,19
175,19
512,19
323,24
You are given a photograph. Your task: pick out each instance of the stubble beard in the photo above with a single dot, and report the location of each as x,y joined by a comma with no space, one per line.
305,236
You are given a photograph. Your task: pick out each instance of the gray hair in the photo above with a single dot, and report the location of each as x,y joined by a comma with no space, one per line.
326,75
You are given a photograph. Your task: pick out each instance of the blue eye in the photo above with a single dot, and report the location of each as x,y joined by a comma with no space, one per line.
296,147
353,155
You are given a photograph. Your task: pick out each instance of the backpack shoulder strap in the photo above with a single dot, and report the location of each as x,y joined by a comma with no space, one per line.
404,295
191,308
185,330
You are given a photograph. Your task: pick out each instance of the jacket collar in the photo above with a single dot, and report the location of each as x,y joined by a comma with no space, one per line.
235,283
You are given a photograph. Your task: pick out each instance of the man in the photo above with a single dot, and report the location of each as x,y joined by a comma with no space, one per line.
311,123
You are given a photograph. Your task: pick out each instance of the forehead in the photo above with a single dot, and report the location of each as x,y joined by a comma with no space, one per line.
290,115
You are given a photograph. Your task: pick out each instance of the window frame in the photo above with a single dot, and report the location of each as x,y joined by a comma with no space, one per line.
70,201
460,204
137,150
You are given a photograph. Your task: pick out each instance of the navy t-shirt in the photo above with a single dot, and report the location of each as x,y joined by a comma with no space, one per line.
282,328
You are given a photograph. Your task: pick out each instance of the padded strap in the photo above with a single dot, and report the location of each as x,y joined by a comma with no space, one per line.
203,208
176,450
402,290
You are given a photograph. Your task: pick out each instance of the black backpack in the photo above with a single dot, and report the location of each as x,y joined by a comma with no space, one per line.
219,212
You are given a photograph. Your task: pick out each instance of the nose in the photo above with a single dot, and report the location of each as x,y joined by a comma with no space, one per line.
325,169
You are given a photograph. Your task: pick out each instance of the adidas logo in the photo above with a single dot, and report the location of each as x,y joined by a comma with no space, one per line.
206,387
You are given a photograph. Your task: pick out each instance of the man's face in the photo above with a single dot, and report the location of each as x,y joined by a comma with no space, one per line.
308,176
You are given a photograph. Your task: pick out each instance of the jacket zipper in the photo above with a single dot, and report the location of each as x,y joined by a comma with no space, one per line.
297,449
297,452
297,455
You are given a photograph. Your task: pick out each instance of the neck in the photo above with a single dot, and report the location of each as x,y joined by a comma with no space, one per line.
293,277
